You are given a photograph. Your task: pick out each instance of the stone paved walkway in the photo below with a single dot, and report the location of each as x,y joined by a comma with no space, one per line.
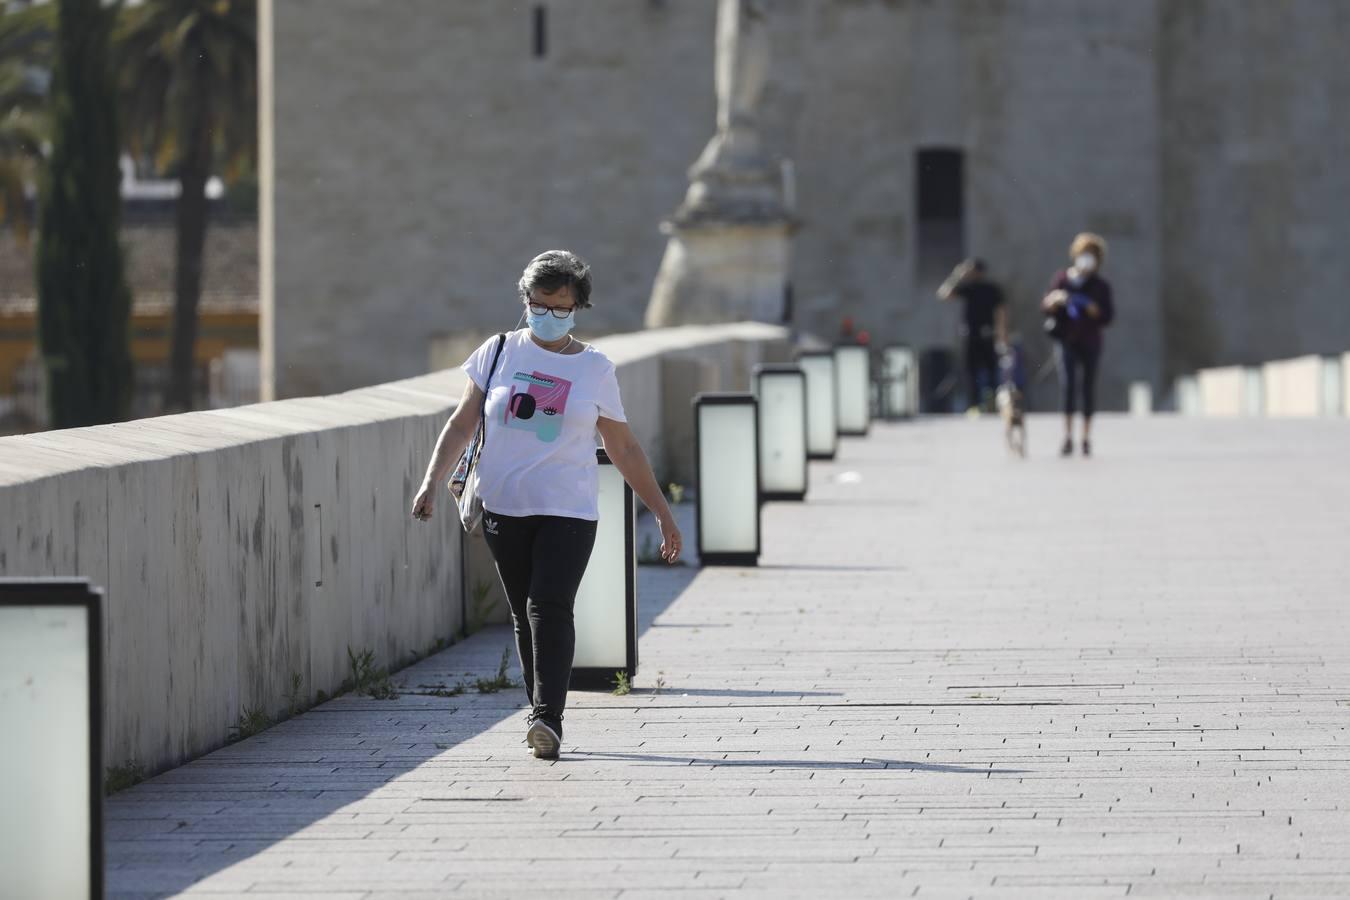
954,675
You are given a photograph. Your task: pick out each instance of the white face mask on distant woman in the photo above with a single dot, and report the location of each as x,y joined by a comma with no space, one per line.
1085,263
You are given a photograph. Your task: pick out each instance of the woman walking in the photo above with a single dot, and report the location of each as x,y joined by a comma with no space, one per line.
1080,302
548,395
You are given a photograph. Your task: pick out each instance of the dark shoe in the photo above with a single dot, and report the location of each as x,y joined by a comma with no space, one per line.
1087,448
1066,449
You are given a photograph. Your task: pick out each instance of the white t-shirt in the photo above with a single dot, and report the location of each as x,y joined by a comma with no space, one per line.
538,457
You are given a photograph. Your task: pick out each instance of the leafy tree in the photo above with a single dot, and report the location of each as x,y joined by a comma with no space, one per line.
188,72
25,51
84,307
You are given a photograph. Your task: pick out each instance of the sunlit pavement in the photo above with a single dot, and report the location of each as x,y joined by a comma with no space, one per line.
954,674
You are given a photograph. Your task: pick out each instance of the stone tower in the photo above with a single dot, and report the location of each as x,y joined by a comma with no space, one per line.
728,252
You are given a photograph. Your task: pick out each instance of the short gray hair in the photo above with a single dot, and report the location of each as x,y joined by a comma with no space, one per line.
555,269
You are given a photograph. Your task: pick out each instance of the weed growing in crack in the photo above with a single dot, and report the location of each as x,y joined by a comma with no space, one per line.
119,778
500,681
366,679
251,722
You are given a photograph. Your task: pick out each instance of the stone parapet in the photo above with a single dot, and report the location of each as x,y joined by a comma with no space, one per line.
244,551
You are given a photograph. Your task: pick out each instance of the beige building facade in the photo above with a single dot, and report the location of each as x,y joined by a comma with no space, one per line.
418,153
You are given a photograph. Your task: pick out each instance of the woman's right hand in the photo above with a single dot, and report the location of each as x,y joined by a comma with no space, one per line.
422,504
1055,299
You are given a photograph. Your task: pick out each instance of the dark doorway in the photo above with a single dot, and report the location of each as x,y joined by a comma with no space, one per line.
540,31
941,213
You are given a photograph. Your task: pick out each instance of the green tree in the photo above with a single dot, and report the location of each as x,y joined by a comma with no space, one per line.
188,72
84,307
25,52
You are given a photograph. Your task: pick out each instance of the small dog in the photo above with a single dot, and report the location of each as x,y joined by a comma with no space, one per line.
1011,396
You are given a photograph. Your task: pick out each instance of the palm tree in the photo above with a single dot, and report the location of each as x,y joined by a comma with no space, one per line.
25,50
188,71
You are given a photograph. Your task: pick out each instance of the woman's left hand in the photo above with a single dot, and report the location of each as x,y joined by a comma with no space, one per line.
1094,310
672,542
626,454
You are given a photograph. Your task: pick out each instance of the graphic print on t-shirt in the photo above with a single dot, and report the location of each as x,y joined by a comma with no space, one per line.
537,404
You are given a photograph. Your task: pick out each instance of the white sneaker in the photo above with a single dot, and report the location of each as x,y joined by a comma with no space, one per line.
543,740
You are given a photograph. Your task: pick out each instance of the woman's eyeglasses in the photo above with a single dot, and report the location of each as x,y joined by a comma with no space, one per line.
558,312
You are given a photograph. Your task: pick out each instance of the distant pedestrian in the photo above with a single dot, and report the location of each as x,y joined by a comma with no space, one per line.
984,325
1078,307
547,395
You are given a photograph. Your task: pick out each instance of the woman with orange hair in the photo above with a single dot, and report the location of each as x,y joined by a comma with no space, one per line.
1079,305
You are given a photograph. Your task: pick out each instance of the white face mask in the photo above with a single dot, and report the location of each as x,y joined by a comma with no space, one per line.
1085,263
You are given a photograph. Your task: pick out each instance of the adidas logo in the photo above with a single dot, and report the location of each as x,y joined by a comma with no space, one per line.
490,525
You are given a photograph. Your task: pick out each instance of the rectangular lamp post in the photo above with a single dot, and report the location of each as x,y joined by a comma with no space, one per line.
781,390
726,434
1141,398
51,758
900,385
1253,392
1187,392
1332,402
606,605
853,386
822,429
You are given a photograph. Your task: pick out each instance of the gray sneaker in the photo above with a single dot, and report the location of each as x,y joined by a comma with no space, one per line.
543,740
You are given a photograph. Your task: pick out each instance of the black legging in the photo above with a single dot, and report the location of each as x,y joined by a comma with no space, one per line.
1072,359
541,560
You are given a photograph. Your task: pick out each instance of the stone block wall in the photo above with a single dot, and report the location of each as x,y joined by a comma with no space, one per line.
1222,390
240,548
423,154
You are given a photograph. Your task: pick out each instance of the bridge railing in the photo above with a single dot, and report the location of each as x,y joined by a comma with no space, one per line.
1305,386
244,551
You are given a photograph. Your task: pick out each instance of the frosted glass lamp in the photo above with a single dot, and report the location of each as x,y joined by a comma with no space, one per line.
1332,402
726,429
1141,398
1253,392
900,385
853,387
822,429
606,605
51,757
781,391
1187,393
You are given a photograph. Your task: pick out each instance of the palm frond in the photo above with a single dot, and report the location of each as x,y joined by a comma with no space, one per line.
21,136
28,33
178,55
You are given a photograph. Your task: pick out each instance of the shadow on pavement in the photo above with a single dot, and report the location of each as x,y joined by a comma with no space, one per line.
865,764
315,770
811,567
669,691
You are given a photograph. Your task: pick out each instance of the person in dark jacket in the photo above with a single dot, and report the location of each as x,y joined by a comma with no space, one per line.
984,326
1080,298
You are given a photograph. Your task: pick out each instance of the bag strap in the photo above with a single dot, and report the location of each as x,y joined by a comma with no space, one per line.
487,386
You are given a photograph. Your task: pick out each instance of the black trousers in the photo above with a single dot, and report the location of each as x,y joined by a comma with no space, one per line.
1076,360
541,560
981,369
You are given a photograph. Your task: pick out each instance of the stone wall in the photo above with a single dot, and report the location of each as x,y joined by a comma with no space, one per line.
1053,107
1301,387
242,548
1222,391
1294,387
1253,143
423,156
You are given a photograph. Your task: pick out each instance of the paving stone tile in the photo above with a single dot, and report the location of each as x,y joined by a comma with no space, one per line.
953,673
